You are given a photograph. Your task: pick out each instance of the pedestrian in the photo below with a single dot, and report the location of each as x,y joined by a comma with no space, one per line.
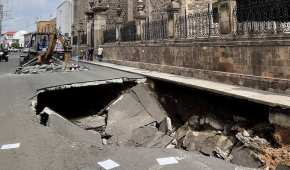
91,54
100,53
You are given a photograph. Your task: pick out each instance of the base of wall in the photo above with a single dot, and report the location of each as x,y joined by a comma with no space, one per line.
267,84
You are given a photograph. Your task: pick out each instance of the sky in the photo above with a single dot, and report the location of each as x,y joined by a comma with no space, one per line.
22,14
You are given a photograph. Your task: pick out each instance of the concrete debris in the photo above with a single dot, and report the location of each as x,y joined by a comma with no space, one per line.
208,143
69,130
125,116
165,126
137,119
160,140
211,136
197,122
149,102
53,67
270,157
149,137
136,108
253,142
92,122
281,119
244,156
142,136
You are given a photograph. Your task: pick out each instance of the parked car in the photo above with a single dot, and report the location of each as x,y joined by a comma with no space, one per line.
4,56
13,50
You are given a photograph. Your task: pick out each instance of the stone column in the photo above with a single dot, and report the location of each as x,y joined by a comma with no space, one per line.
119,22
140,29
173,11
210,11
226,17
98,9
140,18
99,28
89,33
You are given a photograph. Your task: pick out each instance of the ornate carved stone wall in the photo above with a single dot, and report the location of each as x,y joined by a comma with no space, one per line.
79,9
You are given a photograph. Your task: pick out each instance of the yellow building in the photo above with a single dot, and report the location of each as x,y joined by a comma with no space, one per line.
46,26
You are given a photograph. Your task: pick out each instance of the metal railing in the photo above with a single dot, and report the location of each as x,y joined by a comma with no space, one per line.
156,30
110,34
129,32
263,19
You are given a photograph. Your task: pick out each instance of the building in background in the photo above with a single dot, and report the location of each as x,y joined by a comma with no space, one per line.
64,17
8,38
46,26
20,37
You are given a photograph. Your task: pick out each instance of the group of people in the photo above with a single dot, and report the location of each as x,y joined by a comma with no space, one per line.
89,54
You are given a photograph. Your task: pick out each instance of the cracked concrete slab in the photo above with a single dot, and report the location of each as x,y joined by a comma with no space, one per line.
134,109
71,131
43,148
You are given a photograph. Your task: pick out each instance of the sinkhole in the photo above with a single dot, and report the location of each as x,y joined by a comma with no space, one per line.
77,102
212,124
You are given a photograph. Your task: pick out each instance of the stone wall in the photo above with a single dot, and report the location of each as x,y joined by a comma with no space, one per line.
79,9
260,63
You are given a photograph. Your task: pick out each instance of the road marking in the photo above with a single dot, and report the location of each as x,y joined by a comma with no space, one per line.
10,146
167,161
108,164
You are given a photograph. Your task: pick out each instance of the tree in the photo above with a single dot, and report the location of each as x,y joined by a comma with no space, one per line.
15,45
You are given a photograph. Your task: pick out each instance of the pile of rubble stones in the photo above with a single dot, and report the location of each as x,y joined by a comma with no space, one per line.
38,69
137,119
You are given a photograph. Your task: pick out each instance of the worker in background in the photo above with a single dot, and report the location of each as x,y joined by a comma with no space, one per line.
91,54
100,54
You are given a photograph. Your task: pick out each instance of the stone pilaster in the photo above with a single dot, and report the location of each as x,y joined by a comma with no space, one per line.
140,18
173,12
226,17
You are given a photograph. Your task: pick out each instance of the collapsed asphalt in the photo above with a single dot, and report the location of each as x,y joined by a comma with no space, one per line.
44,148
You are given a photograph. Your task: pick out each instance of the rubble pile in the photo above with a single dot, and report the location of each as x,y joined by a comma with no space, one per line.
134,119
234,143
53,67
137,119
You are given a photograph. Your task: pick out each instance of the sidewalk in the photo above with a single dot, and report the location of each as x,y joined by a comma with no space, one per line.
257,96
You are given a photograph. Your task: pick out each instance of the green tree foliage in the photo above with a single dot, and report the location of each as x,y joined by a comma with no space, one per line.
15,45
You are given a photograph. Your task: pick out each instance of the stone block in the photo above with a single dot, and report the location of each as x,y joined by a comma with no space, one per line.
281,119
69,130
243,156
207,142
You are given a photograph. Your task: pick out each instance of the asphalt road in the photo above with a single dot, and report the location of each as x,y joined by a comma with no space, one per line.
10,66
43,148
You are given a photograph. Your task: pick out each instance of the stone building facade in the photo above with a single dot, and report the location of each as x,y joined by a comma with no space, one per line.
64,17
46,26
79,21
126,11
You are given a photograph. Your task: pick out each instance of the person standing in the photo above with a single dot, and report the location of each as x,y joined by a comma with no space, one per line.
100,54
91,54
